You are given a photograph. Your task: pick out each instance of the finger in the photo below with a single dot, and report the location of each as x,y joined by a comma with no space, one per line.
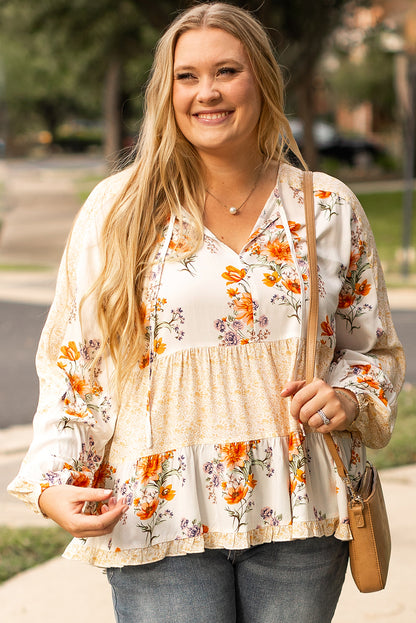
84,526
300,407
292,388
89,494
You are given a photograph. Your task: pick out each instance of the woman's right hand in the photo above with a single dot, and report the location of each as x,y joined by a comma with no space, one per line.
64,504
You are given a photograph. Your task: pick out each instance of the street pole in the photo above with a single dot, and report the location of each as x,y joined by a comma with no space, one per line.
409,167
409,130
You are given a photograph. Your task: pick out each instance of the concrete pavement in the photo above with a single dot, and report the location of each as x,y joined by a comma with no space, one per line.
40,204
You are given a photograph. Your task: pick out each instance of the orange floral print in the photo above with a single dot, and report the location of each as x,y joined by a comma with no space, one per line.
292,284
235,494
251,481
299,478
278,251
293,226
323,194
354,259
363,288
345,300
147,509
104,472
232,292
326,327
145,361
382,397
181,246
233,275
70,352
295,444
78,385
80,480
75,413
149,467
300,475
244,308
234,454
159,346
368,380
167,493
271,279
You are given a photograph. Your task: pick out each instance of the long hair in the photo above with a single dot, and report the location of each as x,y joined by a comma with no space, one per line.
168,173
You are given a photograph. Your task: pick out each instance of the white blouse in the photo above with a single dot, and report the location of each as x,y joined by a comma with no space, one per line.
202,445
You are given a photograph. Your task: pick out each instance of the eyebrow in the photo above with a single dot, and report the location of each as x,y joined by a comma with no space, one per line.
226,61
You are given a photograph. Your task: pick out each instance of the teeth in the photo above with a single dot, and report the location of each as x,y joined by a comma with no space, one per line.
217,115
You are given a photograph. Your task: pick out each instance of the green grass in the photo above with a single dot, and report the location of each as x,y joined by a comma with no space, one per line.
402,448
85,186
24,267
22,548
384,211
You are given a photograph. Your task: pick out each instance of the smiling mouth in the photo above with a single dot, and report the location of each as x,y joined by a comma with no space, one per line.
212,115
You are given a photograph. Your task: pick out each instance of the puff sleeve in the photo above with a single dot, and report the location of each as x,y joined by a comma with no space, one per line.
76,413
369,358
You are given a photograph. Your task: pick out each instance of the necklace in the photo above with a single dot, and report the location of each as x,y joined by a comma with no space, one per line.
233,210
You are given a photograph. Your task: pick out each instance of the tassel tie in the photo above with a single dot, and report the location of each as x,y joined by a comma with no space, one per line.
157,277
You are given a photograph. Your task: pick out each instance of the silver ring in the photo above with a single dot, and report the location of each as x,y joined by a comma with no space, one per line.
323,417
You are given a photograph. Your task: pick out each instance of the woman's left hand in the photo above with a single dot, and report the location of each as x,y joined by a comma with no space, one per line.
308,399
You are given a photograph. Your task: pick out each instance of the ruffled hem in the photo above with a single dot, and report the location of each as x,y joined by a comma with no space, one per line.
117,557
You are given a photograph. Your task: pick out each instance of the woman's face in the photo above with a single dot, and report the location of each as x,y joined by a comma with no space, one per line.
216,100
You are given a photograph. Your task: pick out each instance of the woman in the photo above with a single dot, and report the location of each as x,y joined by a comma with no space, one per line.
172,401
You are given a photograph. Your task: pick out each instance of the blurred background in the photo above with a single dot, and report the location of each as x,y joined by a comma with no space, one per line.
72,76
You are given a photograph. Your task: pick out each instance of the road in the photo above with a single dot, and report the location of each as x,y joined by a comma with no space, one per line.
20,328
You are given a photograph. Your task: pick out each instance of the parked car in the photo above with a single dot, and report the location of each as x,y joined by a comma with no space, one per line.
353,150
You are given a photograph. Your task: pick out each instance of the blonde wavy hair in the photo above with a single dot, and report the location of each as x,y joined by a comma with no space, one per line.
168,173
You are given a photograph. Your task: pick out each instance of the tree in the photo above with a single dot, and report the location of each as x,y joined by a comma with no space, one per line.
108,43
371,79
300,31
37,84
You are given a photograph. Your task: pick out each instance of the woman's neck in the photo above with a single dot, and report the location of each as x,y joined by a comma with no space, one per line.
226,174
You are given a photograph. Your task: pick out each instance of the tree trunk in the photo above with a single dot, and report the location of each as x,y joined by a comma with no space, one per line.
306,113
112,112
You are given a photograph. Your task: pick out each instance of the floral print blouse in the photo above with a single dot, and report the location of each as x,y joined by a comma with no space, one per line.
202,445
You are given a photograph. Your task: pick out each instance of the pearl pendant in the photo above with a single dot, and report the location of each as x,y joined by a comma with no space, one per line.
233,210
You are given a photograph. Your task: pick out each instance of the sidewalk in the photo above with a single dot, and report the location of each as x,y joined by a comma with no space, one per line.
41,203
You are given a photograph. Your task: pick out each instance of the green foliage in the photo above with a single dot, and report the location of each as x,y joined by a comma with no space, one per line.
371,79
384,211
402,448
56,53
23,548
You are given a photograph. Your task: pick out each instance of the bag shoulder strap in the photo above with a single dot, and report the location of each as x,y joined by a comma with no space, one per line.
312,328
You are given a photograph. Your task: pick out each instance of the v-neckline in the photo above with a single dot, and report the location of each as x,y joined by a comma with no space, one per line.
256,228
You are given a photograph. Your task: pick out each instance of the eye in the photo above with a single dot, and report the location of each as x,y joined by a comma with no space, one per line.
186,75
226,71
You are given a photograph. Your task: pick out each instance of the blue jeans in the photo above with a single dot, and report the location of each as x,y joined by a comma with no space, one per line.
296,581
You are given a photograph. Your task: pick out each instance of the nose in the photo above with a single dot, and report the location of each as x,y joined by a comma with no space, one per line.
208,92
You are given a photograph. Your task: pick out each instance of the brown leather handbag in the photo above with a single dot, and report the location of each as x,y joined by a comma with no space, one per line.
371,543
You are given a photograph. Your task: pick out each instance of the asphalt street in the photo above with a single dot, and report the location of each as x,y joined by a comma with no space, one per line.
20,328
